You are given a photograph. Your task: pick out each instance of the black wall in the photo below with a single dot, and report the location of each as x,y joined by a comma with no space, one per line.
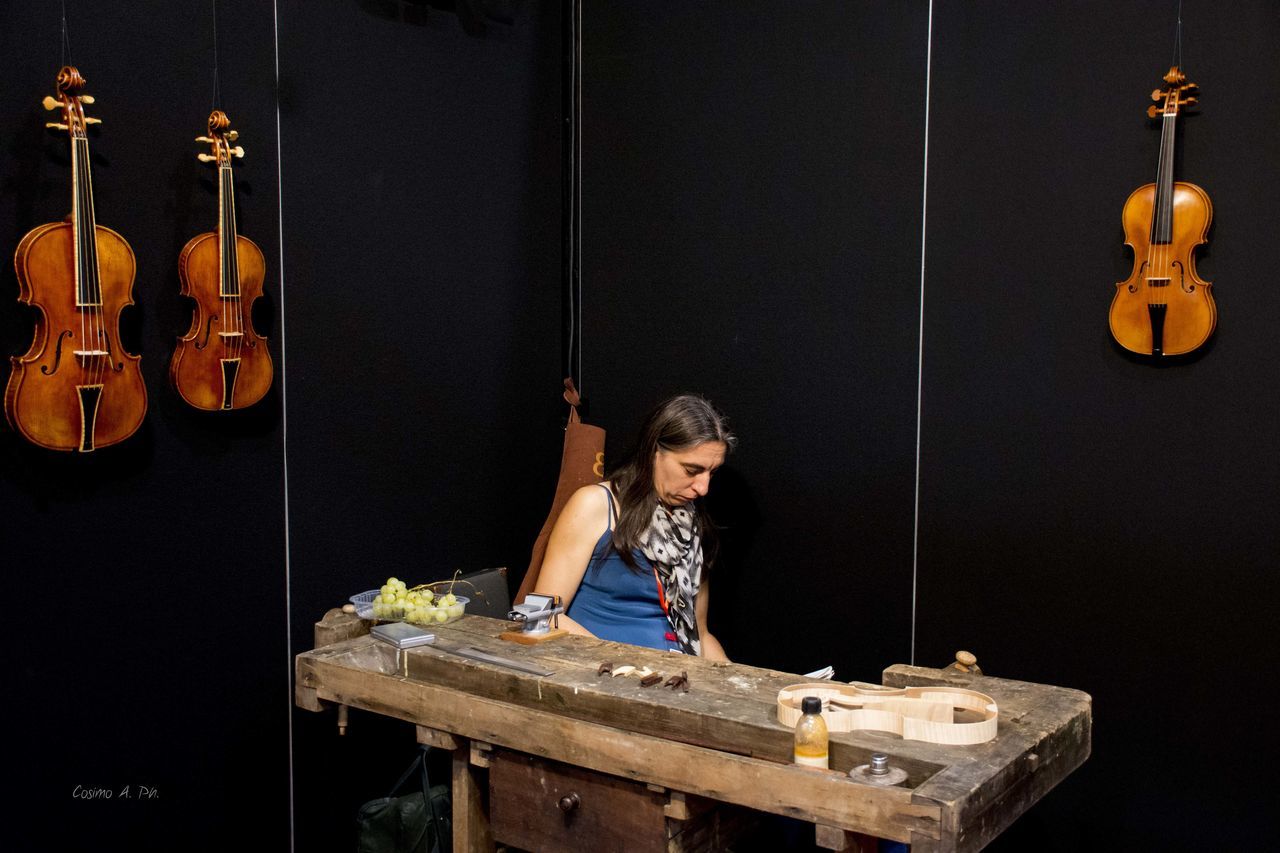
422,262
416,404
146,604
753,198
753,188
1087,520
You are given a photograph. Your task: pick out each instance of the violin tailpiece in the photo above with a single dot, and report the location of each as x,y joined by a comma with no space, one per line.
90,395
230,369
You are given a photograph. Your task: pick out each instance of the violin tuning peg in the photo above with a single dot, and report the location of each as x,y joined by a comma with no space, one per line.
204,139
233,135
87,99
206,158
1153,111
56,125
51,103
1156,94
238,151
88,120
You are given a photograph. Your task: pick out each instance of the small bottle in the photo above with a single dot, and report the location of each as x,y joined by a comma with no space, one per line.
811,734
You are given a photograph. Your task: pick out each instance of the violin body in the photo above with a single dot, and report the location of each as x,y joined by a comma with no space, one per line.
221,363
200,370
1165,274
75,388
43,400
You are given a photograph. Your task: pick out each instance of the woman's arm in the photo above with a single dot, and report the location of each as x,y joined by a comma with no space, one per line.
569,549
711,648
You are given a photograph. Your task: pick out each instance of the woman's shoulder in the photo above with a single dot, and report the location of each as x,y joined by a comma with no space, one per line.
588,507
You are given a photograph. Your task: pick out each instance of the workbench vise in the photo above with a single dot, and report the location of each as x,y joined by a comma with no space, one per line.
539,618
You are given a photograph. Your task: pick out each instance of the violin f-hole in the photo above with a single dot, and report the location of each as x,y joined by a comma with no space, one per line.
208,330
1182,278
57,355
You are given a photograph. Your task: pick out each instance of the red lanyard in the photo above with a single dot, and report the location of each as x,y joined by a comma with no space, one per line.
662,596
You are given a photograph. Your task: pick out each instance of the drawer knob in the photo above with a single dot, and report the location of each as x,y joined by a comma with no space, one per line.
569,802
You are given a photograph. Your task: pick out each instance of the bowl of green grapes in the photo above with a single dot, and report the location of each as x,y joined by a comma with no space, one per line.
425,604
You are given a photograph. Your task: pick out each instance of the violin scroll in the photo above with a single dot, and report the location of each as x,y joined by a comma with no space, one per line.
70,84
1176,96
220,138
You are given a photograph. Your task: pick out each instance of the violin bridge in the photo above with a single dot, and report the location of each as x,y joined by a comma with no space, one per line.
230,369
1158,282
90,396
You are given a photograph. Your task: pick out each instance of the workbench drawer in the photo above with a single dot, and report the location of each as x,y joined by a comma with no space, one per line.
544,806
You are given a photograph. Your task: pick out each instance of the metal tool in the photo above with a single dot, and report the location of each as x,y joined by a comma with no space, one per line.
537,614
878,772
476,654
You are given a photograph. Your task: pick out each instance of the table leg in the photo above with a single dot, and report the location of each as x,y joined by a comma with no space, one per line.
471,832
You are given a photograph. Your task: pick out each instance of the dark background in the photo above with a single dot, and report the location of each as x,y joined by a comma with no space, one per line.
752,218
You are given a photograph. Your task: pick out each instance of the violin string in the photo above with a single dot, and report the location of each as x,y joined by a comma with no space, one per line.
1155,223
233,266
224,254
95,284
77,228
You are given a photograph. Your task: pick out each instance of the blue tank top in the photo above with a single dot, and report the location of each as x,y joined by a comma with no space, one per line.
619,604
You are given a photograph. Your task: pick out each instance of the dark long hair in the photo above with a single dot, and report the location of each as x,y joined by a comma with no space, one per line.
675,424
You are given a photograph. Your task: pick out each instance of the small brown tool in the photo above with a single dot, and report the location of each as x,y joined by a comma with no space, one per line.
966,662
606,668
650,680
677,682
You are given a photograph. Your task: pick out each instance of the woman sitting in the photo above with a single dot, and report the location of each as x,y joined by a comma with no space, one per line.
627,555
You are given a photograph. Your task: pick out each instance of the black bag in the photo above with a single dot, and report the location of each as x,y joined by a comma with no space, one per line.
417,822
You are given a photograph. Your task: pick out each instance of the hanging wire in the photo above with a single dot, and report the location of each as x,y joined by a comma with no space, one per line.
66,37
1177,39
573,192
577,183
217,93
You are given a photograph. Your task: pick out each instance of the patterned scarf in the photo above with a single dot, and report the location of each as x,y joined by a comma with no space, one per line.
673,543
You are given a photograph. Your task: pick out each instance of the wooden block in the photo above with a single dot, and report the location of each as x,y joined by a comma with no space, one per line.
677,808
480,753
532,640
437,738
835,838
337,626
305,697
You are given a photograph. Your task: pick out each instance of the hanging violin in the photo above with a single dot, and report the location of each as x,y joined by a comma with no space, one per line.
221,363
76,388
1164,308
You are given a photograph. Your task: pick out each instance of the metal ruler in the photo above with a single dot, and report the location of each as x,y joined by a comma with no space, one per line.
477,654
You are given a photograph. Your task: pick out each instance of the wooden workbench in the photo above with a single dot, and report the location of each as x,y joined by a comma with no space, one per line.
720,741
